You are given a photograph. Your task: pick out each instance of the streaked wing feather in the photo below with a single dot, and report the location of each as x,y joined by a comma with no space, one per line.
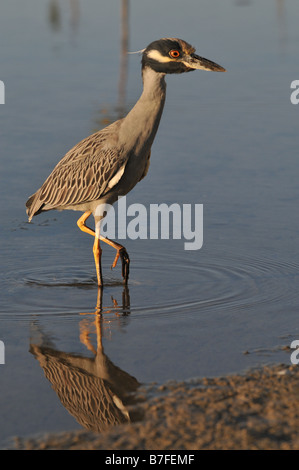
85,172
82,180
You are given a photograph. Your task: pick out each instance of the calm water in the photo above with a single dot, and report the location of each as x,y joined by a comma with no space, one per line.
227,141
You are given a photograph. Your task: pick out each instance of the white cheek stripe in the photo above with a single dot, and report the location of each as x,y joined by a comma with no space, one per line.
156,55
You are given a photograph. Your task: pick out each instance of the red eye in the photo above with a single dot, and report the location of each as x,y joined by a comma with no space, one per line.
174,54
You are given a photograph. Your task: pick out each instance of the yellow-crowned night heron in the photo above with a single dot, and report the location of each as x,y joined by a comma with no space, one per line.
109,163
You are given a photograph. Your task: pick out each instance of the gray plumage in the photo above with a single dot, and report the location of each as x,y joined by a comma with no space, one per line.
80,181
109,163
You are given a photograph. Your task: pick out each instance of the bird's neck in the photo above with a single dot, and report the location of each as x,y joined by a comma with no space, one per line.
140,125
154,86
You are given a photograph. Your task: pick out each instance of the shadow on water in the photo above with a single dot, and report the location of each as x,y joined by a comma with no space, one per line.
96,392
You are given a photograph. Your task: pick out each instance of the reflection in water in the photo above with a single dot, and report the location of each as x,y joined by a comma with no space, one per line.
124,57
282,23
106,116
243,3
54,14
55,19
282,26
93,390
75,14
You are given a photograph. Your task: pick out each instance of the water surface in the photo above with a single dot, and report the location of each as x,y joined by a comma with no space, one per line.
227,141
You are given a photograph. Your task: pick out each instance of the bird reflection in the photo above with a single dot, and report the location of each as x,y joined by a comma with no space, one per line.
93,390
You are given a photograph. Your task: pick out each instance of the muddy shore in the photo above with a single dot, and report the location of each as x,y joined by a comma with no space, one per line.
257,410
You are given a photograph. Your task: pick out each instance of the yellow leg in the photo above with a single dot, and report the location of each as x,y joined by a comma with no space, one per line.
97,251
121,252
85,335
81,223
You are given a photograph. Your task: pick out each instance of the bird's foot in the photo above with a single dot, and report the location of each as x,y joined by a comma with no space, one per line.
125,261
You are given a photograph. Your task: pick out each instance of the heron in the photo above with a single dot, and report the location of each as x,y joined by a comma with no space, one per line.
109,163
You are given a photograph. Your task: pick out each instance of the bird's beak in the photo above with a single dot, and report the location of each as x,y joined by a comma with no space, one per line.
195,62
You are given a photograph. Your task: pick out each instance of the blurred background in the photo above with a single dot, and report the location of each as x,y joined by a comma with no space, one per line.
227,141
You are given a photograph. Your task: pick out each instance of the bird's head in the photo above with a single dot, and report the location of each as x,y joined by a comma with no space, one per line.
173,55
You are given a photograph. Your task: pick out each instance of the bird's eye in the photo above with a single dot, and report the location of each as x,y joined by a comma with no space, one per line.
174,54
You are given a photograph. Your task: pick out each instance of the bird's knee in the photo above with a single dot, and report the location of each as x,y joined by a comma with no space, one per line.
80,223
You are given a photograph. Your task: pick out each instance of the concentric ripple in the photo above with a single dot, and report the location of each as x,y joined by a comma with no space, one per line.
225,283
158,283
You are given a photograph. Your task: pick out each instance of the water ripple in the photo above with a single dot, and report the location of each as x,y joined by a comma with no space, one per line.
160,283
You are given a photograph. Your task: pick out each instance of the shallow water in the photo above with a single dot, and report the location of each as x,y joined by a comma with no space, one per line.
227,141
